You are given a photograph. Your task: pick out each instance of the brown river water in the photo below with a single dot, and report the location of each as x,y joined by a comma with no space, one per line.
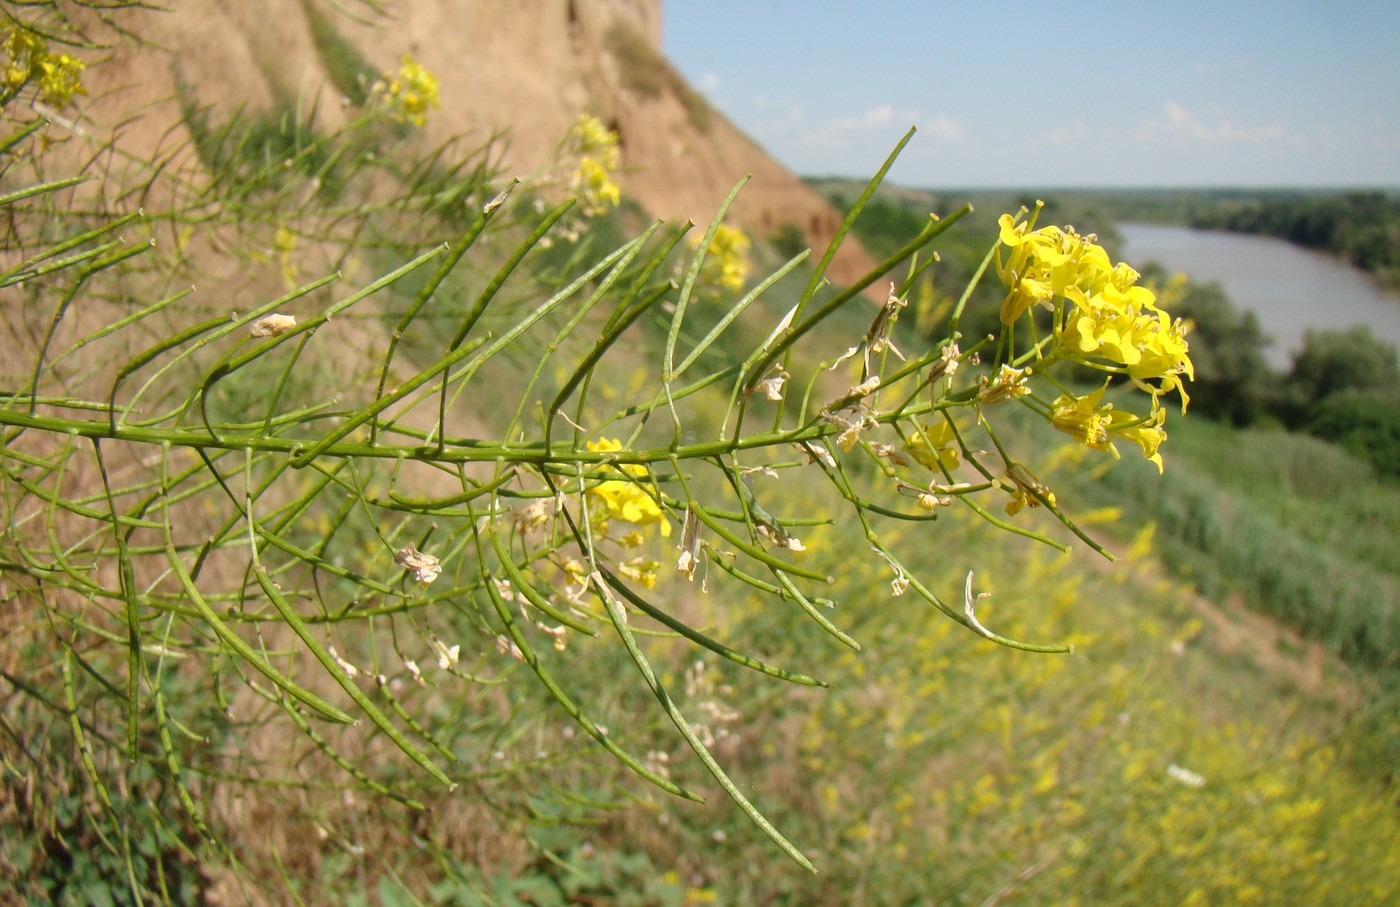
1289,288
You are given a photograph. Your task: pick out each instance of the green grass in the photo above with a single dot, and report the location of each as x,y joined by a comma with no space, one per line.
1300,528
941,769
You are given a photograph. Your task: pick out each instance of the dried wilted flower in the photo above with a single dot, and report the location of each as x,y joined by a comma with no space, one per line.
559,634
1029,492
816,452
273,325
690,545
969,601
425,567
349,669
930,501
856,393
850,430
877,336
447,656
772,388
778,536
533,517
499,198
946,365
658,763
1007,385
900,584
506,647
889,453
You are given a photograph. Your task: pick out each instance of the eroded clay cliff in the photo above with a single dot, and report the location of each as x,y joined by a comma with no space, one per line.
526,68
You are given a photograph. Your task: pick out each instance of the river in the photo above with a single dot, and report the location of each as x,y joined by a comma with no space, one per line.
1290,289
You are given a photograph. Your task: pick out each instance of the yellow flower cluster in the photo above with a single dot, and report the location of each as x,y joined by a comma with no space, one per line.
726,258
934,447
1096,425
411,93
597,148
1103,317
29,61
627,499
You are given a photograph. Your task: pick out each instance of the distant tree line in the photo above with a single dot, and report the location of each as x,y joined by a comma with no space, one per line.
1362,227
1342,386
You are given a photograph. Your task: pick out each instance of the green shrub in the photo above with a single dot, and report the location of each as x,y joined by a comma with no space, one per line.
1365,422
1334,361
788,240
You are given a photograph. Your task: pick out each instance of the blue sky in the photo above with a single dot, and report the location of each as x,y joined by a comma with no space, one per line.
1064,94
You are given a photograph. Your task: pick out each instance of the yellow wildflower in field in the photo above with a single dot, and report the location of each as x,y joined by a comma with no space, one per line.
627,500
1083,419
1147,433
1095,425
285,243
1103,317
595,187
29,60
641,569
597,147
726,258
411,93
933,448
595,139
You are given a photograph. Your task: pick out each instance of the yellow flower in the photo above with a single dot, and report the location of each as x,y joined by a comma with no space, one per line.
595,140
29,60
1025,293
594,184
59,80
411,93
1148,433
597,147
1096,426
640,569
627,500
1083,419
1103,316
933,447
726,258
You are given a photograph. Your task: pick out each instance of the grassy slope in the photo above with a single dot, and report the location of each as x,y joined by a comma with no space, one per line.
1302,530
939,768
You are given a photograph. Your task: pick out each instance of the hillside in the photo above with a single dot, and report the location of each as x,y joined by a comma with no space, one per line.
376,536
524,70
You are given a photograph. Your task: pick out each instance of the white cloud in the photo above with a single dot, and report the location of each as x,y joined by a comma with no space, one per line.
879,116
873,119
943,129
709,83
1183,126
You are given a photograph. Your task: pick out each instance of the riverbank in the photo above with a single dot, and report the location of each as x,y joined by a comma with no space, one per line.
1290,289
